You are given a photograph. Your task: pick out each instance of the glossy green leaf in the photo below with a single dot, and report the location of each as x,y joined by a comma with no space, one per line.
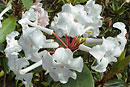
84,79
8,25
27,3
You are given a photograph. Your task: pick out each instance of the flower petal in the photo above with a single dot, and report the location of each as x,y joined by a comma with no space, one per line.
98,52
76,64
62,55
101,67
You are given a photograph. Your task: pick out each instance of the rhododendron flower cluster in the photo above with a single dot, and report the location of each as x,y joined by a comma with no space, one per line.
73,23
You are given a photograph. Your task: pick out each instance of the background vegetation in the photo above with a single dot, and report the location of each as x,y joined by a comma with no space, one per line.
118,74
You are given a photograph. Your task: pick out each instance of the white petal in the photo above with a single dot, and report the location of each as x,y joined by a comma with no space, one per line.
92,8
64,74
22,62
28,77
37,39
47,61
101,67
98,52
62,55
76,64
12,44
30,15
121,26
12,62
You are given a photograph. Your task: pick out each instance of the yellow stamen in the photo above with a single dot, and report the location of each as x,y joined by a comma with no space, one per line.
62,67
89,31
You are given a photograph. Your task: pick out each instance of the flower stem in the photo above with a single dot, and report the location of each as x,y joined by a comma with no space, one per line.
60,40
67,40
73,42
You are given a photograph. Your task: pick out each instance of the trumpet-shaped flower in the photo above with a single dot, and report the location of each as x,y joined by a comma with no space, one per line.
93,11
16,64
32,41
76,20
42,15
110,49
70,21
104,54
36,17
60,64
121,39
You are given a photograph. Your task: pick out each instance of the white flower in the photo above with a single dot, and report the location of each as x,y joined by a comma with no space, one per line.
127,1
104,54
74,20
42,14
70,21
109,50
93,11
60,64
16,64
36,17
32,41
121,37
12,44
30,15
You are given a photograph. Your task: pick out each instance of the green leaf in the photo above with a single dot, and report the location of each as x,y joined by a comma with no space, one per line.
115,83
84,79
79,1
122,56
117,67
5,65
27,3
8,25
74,1
45,84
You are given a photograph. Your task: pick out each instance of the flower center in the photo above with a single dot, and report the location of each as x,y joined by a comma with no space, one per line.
38,20
62,66
75,20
